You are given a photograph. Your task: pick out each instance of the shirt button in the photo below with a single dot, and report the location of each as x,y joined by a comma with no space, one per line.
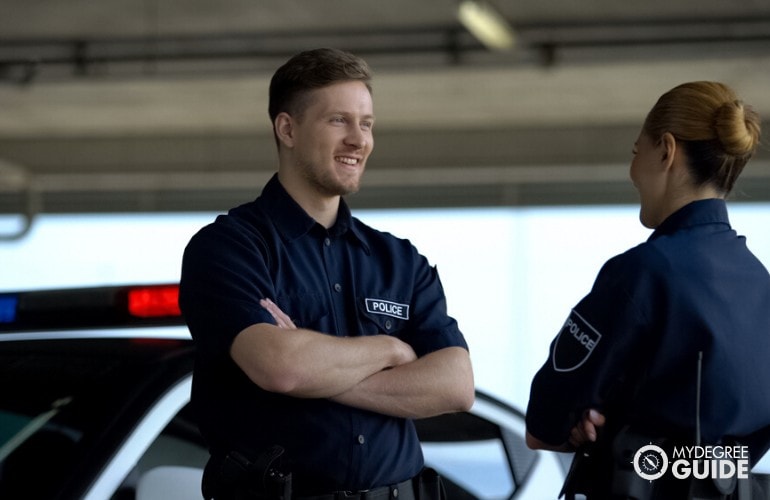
361,439
388,324
337,287
395,492
327,242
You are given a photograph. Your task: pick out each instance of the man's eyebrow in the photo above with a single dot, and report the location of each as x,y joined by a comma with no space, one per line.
349,113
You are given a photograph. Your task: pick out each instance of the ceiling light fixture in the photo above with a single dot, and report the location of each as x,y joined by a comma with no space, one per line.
487,24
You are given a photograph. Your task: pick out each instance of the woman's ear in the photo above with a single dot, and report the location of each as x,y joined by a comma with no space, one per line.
284,129
668,149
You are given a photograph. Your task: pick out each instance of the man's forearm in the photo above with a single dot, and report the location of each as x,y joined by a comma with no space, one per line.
440,382
308,364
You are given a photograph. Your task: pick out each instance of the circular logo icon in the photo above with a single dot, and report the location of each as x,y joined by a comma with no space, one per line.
650,462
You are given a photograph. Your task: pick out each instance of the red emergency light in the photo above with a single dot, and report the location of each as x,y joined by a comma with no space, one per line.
154,301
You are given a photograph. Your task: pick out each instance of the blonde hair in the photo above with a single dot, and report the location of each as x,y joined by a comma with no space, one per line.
719,133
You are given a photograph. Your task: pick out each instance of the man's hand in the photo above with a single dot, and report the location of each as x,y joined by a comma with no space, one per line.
281,318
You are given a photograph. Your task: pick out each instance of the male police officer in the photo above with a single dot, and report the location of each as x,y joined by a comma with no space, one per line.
315,332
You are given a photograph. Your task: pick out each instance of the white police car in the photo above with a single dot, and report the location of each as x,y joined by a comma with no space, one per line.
94,392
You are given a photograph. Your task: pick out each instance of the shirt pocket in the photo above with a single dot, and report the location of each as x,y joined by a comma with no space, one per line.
383,314
306,309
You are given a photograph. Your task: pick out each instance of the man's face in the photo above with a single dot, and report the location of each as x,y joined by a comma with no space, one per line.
333,138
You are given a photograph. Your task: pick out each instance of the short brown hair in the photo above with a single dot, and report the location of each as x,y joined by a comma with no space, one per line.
311,70
719,133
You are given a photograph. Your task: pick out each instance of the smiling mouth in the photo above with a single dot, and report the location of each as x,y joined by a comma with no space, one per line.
347,160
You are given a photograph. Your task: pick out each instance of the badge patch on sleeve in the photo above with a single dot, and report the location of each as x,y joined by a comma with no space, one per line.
388,308
575,343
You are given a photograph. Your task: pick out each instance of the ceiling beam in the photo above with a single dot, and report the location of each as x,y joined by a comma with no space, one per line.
26,60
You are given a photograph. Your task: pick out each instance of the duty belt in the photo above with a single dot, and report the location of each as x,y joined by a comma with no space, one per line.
401,491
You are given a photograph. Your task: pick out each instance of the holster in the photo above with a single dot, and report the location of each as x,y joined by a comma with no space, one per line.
236,477
589,473
429,486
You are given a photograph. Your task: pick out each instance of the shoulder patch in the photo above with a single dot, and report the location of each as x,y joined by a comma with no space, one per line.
575,343
387,308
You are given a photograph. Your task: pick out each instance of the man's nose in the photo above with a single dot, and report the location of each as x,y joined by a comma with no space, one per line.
357,137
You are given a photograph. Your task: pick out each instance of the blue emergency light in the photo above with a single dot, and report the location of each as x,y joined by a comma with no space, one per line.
8,305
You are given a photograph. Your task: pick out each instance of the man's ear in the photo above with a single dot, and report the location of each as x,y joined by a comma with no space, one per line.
668,149
284,129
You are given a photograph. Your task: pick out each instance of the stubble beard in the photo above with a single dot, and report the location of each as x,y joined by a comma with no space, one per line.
328,184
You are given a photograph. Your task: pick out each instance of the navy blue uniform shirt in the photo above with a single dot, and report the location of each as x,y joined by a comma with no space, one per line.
630,347
346,281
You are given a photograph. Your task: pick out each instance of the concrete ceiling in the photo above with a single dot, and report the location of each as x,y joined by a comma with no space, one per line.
127,105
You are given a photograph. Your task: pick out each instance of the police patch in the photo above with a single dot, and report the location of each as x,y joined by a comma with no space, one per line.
575,343
388,308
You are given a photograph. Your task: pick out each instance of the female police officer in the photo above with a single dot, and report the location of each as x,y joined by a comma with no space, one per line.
691,304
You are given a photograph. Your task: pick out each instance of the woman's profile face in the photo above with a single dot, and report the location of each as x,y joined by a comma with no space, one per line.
646,174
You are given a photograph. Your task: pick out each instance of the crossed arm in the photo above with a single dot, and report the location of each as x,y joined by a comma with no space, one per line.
378,373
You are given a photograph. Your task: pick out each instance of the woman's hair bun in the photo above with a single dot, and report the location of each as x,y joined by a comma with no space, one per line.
737,128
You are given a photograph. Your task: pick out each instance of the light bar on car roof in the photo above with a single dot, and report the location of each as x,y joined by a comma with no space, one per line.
113,306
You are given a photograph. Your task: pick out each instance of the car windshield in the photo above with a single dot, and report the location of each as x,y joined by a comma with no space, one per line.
58,396
15,429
